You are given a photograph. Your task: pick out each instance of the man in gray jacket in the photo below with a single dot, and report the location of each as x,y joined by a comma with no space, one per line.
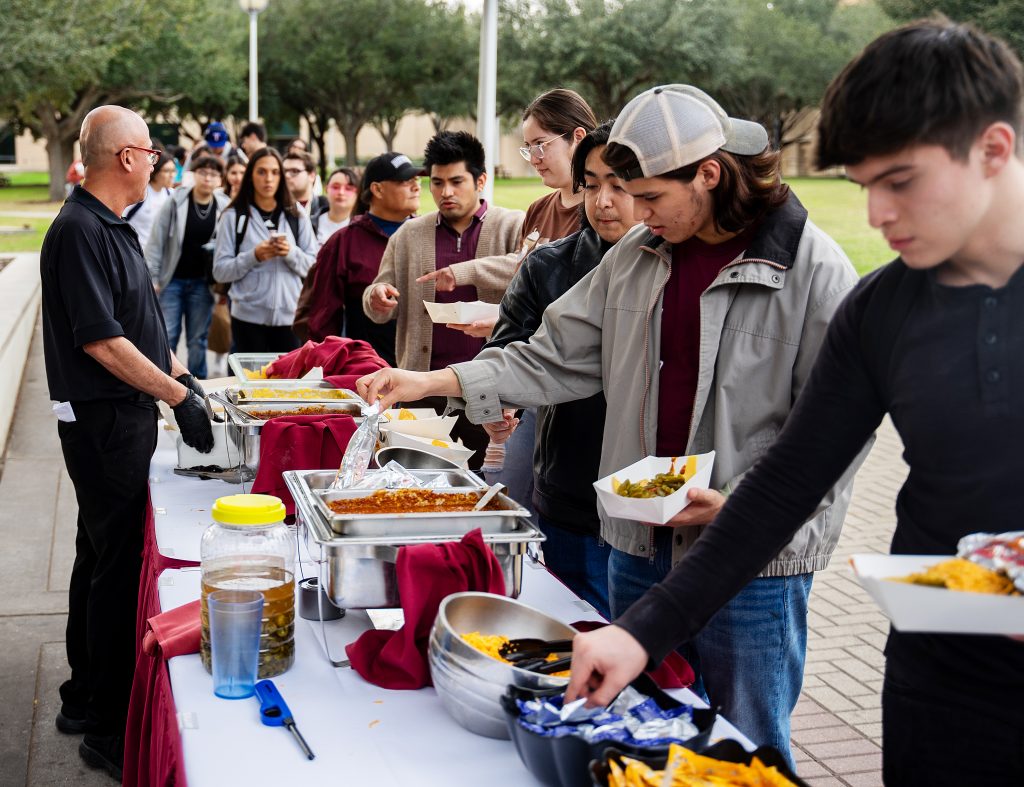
701,326
180,258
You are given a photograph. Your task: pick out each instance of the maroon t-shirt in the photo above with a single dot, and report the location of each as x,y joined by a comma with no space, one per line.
448,345
695,264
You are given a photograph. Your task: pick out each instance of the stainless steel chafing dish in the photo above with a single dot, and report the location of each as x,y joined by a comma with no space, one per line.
360,569
243,430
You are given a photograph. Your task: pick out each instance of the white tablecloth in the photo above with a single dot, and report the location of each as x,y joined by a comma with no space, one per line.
361,734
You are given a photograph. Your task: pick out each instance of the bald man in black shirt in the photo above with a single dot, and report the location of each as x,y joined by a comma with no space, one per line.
108,362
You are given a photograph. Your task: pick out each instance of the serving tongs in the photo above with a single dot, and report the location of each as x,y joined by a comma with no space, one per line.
517,650
231,407
542,666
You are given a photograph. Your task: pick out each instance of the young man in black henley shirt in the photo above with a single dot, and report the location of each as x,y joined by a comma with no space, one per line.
928,120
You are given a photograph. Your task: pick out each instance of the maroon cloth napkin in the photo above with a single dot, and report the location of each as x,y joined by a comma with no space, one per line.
335,354
674,672
174,632
426,574
299,442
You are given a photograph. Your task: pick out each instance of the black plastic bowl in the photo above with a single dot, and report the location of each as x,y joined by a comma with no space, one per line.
565,761
725,750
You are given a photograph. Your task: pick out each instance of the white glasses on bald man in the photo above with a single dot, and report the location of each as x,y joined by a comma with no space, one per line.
152,156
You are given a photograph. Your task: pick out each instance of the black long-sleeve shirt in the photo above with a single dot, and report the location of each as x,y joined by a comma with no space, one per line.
945,363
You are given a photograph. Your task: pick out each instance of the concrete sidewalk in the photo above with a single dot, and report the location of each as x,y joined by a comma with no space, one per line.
836,730
37,528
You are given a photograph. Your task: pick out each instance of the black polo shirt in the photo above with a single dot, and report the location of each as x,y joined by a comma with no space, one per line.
95,286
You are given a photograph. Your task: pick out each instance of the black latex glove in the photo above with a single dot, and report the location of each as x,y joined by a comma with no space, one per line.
194,423
191,383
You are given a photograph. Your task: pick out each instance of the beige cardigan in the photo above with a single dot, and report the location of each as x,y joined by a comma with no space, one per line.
410,254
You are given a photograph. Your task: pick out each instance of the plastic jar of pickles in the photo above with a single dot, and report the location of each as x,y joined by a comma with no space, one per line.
248,547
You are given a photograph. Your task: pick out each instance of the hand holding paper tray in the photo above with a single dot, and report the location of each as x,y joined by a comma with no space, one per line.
655,510
462,312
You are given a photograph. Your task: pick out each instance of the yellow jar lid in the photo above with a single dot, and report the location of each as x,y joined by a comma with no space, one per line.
248,510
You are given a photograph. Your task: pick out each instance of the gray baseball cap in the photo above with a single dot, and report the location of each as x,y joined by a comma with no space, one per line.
671,126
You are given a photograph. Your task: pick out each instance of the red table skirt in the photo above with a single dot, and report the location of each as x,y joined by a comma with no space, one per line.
152,746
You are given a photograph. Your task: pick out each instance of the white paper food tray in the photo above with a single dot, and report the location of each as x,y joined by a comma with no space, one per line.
462,312
426,424
454,452
656,510
934,610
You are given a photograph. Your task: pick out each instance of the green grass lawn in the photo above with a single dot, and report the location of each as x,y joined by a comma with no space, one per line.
22,241
835,205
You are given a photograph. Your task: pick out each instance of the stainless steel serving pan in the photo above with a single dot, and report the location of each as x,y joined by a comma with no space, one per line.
240,362
360,570
240,394
332,407
439,523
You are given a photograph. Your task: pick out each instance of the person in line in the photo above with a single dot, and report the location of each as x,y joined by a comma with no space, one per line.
265,247
234,171
107,364
350,260
463,227
251,138
342,193
142,214
928,120
299,173
568,449
180,259
218,142
553,125
298,145
700,327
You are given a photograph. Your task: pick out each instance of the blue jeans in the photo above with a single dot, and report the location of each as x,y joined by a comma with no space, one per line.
749,658
580,561
191,299
517,473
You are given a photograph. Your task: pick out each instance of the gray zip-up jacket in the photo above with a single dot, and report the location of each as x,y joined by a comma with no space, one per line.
164,246
762,322
264,293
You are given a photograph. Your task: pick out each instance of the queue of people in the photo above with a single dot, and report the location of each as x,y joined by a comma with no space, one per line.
670,296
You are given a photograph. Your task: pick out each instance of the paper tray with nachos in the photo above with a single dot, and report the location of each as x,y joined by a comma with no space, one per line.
937,610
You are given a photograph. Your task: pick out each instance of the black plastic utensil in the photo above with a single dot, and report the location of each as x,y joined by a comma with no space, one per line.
531,647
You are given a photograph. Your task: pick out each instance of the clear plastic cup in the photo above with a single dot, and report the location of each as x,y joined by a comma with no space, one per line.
236,617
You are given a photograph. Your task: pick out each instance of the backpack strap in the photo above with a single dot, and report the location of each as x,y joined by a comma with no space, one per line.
293,222
240,233
895,289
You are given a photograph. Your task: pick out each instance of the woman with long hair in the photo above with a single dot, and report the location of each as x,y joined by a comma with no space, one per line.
265,247
234,171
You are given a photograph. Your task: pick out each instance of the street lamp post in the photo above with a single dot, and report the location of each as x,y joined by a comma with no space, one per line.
253,9
487,89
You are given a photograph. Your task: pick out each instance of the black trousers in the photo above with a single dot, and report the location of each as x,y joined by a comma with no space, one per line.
107,451
250,337
931,740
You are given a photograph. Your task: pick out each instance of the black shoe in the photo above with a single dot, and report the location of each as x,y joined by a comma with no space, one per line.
103,751
72,725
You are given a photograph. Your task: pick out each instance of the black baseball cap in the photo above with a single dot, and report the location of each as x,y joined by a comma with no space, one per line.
390,166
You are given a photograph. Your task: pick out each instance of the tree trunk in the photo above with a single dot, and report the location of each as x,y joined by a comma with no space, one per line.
350,131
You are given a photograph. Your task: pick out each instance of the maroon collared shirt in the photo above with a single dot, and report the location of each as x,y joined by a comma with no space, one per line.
451,346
